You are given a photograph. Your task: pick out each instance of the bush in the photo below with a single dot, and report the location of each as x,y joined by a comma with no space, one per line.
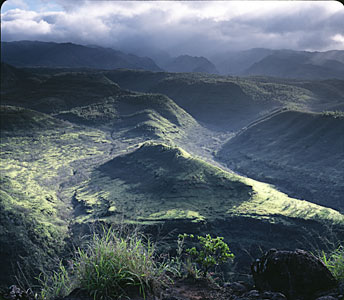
209,253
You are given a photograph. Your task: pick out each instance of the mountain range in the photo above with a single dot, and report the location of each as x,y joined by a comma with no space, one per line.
38,54
282,63
253,62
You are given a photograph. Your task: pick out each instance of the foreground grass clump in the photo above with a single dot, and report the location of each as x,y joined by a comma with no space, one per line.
110,266
334,261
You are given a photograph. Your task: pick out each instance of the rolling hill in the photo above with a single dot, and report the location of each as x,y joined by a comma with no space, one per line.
300,153
168,191
85,147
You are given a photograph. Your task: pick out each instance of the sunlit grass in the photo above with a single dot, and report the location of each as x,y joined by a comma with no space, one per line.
110,265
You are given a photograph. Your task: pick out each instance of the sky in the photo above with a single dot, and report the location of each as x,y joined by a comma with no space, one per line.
178,27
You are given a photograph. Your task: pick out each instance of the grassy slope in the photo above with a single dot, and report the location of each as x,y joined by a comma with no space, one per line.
167,191
40,156
134,116
231,102
43,159
301,153
61,91
167,182
53,171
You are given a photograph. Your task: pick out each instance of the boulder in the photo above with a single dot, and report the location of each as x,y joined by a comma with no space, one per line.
297,274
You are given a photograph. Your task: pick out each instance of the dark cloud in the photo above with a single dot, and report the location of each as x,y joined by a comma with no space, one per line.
197,28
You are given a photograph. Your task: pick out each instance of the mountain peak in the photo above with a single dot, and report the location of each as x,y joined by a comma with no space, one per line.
187,63
70,55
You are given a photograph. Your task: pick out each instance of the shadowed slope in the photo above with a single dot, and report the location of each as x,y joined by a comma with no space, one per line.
62,91
160,179
168,191
43,54
301,153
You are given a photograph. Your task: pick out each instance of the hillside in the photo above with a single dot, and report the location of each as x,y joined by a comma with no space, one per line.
40,158
292,64
230,103
236,62
86,147
161,186
165,180
281,63
62,91
300,153
187,63
136,115
44,54
17,121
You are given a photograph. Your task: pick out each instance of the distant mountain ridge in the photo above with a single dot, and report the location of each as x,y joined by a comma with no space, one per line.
282,63
49,54
187,63
253,62
296,64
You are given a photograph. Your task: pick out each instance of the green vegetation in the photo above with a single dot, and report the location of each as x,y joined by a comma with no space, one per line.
109,266
334,261
209,253
57,285
153,182
334,114
37,160
301,153
80,149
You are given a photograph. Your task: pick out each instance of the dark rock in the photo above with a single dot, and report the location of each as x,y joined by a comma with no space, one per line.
237,288
326,298
253,294
273,296
296,274
78,294
15,293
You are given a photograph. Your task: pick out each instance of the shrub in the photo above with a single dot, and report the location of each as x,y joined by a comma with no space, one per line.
209,253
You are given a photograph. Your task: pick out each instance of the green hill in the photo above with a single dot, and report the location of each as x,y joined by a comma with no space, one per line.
78,149
147,116
162,180
301,153
21,121
41,157
63,91
167,191
230,103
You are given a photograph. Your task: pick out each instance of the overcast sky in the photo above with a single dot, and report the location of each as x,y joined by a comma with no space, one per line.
195,28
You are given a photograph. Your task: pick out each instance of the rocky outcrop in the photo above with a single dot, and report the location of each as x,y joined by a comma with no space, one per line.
296,274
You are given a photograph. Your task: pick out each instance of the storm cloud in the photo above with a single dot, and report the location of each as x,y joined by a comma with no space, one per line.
196,28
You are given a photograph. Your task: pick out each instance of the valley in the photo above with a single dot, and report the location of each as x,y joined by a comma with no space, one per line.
257,160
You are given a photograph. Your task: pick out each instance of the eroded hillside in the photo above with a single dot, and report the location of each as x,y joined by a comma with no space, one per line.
85,146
